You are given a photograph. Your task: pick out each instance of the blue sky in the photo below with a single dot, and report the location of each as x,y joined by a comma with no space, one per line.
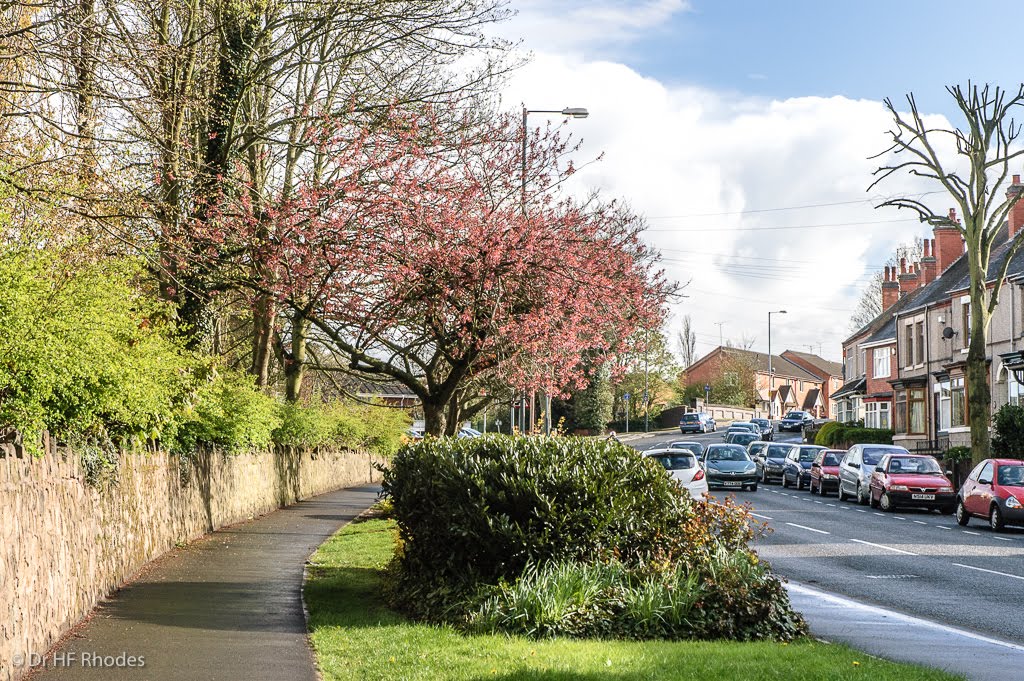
743,131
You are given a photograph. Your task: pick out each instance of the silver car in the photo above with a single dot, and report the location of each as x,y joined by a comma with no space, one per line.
856,468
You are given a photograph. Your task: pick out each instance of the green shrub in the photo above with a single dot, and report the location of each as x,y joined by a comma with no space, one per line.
304,425
957,454
474,514
834,434
825,436
1008,439
230,413
84,352
347,424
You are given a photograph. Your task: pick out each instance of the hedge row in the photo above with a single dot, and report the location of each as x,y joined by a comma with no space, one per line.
842,435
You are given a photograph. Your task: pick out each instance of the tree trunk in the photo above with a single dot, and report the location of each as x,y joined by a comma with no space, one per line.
263,314
434,418
979,396
453,418
295,368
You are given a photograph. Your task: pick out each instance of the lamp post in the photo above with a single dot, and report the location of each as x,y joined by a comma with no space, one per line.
571,112
771,372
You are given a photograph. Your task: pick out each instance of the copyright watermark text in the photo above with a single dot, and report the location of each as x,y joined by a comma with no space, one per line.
77,659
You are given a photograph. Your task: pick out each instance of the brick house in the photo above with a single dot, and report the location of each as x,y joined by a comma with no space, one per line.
788,386
829,373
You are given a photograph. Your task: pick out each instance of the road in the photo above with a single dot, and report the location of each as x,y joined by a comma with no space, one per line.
916,562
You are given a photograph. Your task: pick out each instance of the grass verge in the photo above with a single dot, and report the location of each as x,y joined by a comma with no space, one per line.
356,636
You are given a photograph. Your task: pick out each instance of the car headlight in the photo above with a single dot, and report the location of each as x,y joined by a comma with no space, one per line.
947,489
898,488
750,467
1012,502
829,476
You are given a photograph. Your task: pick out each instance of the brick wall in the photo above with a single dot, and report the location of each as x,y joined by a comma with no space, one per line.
65,544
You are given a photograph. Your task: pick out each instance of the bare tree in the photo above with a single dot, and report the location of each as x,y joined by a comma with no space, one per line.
869,306
686,340
985,145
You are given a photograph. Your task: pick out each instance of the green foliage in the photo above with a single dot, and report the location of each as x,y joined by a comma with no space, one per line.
1008,439
842,435
230,413
958,454
474,514
592,406
348,424
83,352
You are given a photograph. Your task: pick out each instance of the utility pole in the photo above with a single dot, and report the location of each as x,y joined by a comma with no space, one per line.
720,343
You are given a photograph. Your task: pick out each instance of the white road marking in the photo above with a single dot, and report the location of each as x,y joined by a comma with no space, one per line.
861,510
943,527
881,514
758,515
818,502
892,615
920,522
883,546
1002,538
899,517
976,534
810,529
992,572
832,505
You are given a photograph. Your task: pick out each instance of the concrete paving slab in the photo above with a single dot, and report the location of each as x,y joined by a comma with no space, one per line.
227,606
895,636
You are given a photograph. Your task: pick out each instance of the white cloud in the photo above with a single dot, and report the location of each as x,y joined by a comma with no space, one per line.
696,162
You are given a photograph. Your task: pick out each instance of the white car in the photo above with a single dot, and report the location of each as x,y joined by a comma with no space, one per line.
682,465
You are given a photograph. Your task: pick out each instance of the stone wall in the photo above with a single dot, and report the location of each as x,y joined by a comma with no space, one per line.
65,544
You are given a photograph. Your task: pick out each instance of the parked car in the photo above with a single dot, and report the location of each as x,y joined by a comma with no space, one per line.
771,461
412,435
856,467
466,431
755,448
728,466
742,438
796,420
697,422
695,447
798,465
825,471
915,480
767,429
995,491
744,427
682,465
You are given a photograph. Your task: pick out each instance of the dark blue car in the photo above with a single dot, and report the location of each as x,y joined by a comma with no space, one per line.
797,471
796,420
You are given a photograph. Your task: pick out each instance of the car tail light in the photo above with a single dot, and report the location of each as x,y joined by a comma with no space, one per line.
699,475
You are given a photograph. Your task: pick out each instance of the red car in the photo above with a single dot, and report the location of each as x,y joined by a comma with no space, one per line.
825,471
995,491
910,480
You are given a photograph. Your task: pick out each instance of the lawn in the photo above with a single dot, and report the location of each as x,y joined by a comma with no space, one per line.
357,637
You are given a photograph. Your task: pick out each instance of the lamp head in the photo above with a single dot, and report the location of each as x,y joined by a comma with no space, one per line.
575,112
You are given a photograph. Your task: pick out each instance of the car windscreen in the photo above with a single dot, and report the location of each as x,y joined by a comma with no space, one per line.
675,462
795,415
694,447
727,453
807,454
914,465
1012,475
690,418
760,422
778,451
830,460
872,455
745,438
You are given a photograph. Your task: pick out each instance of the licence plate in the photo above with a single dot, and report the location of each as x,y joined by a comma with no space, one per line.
732,483
923,497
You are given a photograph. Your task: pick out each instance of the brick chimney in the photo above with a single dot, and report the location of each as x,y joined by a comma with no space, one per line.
1015,218
890,288
929,266
908,278
949,245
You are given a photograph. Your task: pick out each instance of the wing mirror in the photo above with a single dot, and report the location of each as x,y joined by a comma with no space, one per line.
949,474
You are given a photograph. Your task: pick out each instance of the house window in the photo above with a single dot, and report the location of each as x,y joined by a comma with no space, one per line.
863,363
900,415
909,356
920,342
876,415
881,356
943,405
958,403
965,324
1016,390
915,411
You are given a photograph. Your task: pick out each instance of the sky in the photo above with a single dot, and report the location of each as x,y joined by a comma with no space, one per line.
742,131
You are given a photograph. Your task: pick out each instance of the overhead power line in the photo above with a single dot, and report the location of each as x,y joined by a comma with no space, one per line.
779,209
778,228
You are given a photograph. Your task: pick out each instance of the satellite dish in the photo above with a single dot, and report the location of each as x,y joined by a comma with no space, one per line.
948,332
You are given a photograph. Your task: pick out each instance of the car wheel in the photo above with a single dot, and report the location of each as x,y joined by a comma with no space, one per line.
753,488
764,476
821,489
962,516
871,500
785,481
885,503
862,498
843,496
995,519
800,482
810,486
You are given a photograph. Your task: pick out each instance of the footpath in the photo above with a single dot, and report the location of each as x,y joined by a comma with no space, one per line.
228,606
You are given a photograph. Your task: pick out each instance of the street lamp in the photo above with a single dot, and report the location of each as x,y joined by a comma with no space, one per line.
571,112
771,372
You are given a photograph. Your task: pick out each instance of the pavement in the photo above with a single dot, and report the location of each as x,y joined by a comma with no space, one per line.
228,606
895,636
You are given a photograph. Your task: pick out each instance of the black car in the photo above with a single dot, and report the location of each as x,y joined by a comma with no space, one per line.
797,469
729,467
767,429
771,461
796,420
